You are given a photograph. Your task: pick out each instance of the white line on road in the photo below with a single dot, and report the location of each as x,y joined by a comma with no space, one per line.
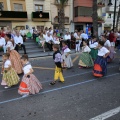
107,114
56,89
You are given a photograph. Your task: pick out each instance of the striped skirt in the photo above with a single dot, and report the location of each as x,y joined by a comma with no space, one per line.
29,85
10,78
100,67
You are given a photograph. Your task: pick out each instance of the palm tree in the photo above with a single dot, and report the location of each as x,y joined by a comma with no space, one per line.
118,17
62,15
95,18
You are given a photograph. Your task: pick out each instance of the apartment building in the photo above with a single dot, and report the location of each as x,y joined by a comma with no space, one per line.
33,13
83,15
109,14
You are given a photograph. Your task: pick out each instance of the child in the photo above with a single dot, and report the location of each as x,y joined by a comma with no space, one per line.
30,84
10,77
100,65
67,61
58,60
85,57
93,46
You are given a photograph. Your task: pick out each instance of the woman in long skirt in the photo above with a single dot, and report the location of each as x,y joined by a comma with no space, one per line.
14,56
93,44
107,44
30,84
66,57
10,77
100,64
85,57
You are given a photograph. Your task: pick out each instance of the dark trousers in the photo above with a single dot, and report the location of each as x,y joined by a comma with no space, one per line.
22,46
68,43
49,46
24,37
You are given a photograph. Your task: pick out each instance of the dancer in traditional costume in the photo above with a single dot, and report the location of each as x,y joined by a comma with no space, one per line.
93,44
10,77
14,56
85,57
66,57
57,57
107,44
30,84
100,65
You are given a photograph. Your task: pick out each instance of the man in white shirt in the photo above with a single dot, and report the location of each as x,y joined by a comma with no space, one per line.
84,36
23,33
49,41
67,38
2,43
75,33
18,40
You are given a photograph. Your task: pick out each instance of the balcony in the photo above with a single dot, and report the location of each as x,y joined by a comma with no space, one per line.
57,2
111,9
13,16
57,22
40,16
100,20
83,19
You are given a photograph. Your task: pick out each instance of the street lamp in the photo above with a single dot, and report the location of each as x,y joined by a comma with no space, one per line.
109,4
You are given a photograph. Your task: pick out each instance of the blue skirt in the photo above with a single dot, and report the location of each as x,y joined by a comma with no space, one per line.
100,67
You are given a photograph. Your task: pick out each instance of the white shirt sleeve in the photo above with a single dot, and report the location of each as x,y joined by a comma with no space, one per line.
86,49
21,40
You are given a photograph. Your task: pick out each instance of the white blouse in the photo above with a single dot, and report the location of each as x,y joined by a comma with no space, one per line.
107,44
27,68
7,64
93,44
86,49
10,45
102,51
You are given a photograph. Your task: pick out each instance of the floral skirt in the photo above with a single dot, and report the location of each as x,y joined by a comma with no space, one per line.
29,85
16,62
10,78
85,60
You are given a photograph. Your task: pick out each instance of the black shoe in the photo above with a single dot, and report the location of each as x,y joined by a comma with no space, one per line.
52,83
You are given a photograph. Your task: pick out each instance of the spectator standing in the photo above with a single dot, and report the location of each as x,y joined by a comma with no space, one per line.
67,38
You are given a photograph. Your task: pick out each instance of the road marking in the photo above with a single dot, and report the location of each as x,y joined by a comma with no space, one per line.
56,89
44,68
75,58
64,77
107,114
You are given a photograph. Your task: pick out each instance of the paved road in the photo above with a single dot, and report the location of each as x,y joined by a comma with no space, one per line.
81,97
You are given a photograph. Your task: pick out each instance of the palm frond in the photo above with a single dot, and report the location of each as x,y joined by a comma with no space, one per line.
62,2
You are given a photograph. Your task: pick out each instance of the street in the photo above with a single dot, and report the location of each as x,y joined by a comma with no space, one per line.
81,97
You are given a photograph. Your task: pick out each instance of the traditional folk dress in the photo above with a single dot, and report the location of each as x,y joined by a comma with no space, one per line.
93,51
85,57
30,84
107,44
100,64
14,58
57,57
66,57
10,77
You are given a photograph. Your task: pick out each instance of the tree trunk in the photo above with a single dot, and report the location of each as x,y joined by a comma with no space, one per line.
118,17
95,19
61,19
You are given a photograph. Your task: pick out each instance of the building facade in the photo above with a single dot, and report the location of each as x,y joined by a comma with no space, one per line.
109,14
34,13
83,15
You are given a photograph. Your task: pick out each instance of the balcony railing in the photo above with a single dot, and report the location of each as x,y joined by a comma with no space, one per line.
40,16
13,16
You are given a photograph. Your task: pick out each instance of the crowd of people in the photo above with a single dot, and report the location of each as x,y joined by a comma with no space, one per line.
93,52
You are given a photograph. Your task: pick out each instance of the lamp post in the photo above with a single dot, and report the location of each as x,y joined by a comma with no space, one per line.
115,5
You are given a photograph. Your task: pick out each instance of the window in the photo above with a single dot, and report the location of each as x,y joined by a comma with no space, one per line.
66,20
38,8
18,7
83,11
1,6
